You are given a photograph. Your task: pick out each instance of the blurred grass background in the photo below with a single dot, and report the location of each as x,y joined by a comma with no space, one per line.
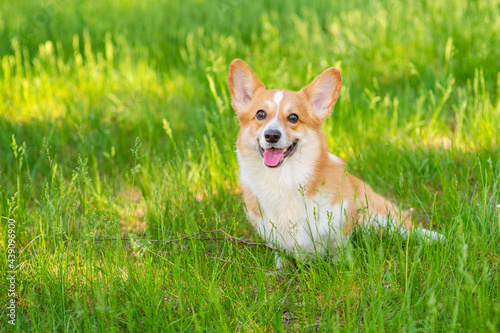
115,122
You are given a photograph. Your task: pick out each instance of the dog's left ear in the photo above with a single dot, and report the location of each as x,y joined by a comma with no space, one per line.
243,84
324,91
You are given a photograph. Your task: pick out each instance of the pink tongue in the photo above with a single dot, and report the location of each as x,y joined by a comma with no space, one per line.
272,156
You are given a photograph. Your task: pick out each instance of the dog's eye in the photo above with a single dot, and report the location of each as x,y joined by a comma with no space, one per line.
293,118
261,115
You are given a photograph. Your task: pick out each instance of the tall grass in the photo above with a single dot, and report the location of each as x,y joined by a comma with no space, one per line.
117,144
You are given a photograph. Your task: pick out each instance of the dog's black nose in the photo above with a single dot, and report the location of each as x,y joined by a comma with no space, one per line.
272,135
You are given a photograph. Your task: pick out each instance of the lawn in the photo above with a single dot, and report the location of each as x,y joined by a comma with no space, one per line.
118,164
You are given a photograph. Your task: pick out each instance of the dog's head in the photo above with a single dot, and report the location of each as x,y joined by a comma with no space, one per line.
278,123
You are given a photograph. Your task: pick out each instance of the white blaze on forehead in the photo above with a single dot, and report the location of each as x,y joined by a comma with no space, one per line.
278,96
275,123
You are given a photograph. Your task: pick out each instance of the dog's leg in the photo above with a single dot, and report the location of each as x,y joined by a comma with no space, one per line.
341,250
423,234
278,260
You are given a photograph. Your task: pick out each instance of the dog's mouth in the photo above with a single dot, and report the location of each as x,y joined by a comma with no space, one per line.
273,157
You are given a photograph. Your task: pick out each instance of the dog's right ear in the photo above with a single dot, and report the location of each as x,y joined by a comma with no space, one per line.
243,84
324,91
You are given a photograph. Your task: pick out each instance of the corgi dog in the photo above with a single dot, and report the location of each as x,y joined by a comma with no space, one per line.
298,196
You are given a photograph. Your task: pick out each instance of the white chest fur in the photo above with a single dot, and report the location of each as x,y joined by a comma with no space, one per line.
288,219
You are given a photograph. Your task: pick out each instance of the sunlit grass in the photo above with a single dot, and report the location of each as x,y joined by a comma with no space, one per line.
117,135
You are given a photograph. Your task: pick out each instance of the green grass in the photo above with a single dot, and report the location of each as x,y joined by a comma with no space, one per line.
115,122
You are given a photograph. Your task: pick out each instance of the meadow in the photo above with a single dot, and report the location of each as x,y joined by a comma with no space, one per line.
118,164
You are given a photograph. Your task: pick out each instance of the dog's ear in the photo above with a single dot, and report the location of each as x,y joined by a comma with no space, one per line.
324,91
243,84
